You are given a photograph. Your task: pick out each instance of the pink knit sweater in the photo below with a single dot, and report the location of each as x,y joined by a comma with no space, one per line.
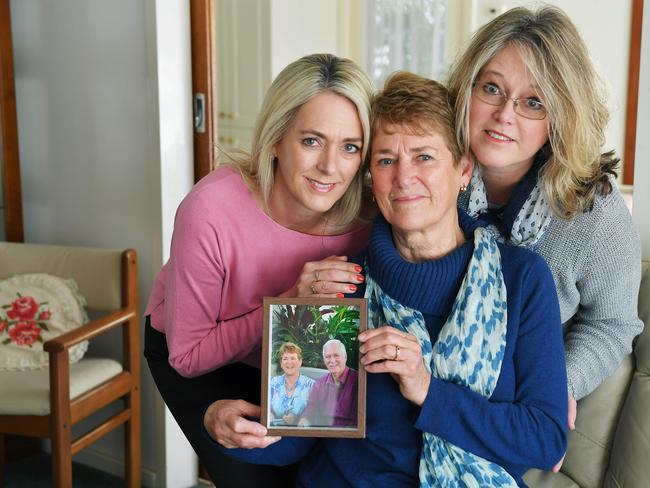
226,255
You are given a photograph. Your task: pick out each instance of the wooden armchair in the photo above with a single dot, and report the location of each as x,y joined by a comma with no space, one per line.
30,405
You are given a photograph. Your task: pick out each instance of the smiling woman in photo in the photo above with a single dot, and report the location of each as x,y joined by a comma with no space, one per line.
290,390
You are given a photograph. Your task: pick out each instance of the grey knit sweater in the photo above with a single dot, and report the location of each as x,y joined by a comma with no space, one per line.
596,263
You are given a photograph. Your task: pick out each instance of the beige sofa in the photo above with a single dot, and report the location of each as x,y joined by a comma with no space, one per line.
611,444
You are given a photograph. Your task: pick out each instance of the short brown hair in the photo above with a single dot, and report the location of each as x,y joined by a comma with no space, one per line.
418,103
289,348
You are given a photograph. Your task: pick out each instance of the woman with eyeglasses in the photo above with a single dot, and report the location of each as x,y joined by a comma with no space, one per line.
531,110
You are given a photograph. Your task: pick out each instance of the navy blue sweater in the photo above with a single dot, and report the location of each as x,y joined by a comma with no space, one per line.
523,423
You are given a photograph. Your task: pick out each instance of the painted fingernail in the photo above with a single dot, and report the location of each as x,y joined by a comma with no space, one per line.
359,277
357,268
352,288
339,295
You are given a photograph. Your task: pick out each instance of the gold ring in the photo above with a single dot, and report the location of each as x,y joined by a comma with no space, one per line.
313,289
397,351
317,274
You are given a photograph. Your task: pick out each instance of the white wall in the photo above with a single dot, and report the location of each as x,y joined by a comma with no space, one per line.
641,166
99,166
172,95
301,27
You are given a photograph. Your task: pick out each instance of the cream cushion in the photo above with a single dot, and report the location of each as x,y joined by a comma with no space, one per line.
28,392
588,450
96,271
313,373
35,308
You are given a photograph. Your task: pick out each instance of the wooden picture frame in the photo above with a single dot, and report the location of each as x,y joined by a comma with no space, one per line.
321,403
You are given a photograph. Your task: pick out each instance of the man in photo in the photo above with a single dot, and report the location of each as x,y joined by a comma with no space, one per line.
333,398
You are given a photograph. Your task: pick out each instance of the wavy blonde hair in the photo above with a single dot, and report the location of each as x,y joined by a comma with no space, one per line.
292,88
575,168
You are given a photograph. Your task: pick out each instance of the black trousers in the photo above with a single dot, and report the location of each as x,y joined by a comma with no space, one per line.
187,399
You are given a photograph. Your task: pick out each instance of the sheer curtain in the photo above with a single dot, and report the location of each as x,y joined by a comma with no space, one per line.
407,35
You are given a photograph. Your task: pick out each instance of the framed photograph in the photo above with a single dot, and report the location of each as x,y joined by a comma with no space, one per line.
313,384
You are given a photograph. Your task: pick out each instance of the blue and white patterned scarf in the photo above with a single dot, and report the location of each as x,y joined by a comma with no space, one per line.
532,220
469,352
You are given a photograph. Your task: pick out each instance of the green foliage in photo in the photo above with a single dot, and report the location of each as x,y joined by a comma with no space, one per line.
311,327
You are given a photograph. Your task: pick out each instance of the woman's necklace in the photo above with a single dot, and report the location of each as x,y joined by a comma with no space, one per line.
290,388
322,224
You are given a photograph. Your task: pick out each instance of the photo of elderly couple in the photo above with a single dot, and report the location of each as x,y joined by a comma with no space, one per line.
312,379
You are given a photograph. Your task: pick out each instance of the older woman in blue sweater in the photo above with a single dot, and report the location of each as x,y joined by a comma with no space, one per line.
467,383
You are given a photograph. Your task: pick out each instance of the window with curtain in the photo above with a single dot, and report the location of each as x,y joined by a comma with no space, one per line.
407,35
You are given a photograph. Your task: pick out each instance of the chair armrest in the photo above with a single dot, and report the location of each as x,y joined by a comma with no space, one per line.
89,330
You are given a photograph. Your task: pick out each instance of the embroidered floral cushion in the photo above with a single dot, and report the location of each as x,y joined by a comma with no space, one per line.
35,308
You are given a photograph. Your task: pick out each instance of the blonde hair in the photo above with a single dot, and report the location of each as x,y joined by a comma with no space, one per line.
292,88
418,103
289,348
574,169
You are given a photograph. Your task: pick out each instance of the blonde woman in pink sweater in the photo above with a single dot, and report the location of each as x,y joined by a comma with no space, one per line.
278,222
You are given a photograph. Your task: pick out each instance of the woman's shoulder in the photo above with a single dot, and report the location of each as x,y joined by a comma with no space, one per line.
222,182
607,223
529,284
611,205
221,189
520,264
518,254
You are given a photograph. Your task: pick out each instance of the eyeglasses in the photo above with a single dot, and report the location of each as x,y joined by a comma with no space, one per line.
530,108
